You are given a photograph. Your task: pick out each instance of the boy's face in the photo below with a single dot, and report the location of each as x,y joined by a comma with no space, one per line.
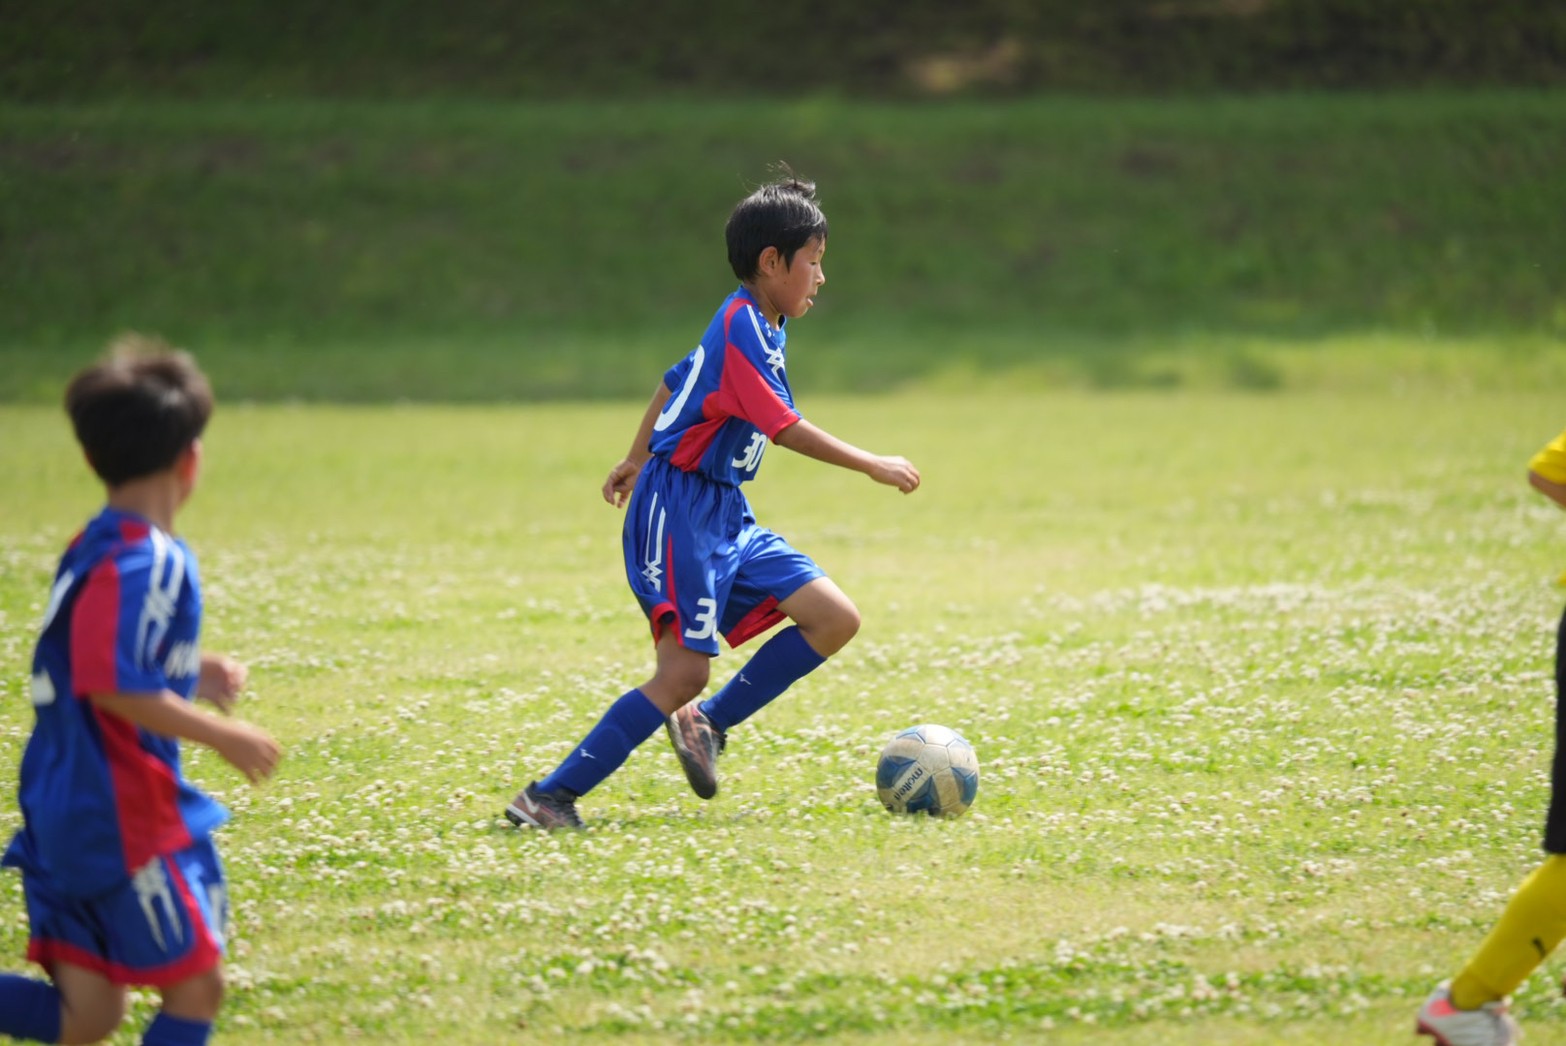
792,289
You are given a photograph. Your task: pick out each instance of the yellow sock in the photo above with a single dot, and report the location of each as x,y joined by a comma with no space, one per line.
1533,923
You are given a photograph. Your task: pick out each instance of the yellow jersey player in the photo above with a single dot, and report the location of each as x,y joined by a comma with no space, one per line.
1470,1010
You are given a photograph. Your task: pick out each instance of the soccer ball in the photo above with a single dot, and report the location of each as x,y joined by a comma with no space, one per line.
927,769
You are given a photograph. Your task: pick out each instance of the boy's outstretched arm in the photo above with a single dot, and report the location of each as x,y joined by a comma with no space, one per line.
622,478
250,749
804,438
1556,492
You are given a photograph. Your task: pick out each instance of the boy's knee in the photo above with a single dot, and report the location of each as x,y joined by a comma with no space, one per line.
680,683
851,622
690,681
198,998
91,1023
835,630
90,1007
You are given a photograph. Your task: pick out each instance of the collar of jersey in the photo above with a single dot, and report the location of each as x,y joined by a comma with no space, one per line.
744,292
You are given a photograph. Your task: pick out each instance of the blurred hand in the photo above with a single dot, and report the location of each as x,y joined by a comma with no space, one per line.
221,680
249,749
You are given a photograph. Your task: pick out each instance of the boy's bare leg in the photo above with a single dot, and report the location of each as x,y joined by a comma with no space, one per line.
91,1006
824,621
197,998
681,674
826,617
551,802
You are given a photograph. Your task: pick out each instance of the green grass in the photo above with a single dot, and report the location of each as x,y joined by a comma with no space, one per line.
1259,686
329,250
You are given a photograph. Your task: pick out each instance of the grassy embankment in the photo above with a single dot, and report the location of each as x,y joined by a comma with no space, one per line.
482,251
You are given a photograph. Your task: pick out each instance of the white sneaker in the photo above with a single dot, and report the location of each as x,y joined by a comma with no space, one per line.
1489,1025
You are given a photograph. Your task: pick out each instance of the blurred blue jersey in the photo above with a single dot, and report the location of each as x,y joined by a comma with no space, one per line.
101,797
728,397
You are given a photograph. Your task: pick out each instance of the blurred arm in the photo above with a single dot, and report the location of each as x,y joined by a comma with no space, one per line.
1547,470
1556,492
250,750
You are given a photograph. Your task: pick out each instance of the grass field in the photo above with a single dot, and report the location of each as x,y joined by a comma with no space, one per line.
1259,685
484,251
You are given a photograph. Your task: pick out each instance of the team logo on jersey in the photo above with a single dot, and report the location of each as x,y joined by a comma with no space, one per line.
774,352
775,360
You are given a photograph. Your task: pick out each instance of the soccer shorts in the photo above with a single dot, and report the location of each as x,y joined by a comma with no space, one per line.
698,562
163,926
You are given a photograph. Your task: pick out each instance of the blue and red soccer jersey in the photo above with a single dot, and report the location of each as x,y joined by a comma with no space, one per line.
728,397
694,555
102,798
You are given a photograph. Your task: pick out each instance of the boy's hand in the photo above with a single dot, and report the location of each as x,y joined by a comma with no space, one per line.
895,472
221,680
249,749
622,478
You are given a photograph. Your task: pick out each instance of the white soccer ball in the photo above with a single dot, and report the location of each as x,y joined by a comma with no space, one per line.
927,769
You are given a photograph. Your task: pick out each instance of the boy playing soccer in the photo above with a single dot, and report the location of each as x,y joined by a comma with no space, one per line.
122,883
1470,1010
696,559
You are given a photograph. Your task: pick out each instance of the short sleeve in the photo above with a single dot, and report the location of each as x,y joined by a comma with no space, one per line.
755,383
1550,462
674,377
109,652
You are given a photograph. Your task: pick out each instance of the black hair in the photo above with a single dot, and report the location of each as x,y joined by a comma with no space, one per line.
136,411
782,214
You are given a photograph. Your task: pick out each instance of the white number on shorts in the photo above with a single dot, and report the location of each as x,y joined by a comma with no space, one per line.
707,619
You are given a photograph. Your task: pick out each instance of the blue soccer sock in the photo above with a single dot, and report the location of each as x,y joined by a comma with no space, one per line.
168,1030
630,720
29,1009
781,661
